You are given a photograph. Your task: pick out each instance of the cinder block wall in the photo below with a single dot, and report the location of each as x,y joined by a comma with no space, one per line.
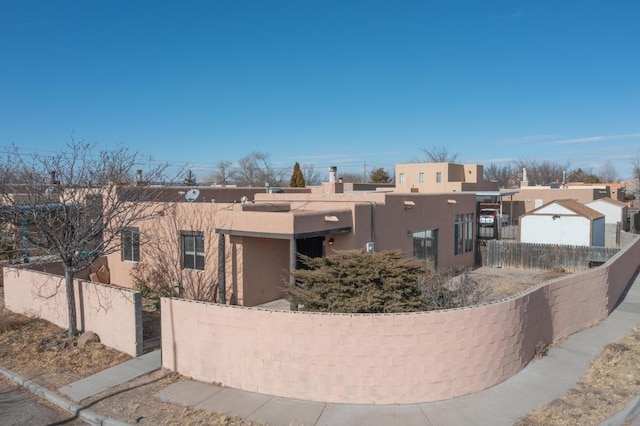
114,313
387,358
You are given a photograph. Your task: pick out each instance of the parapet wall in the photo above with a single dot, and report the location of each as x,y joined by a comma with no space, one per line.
114,313
385,358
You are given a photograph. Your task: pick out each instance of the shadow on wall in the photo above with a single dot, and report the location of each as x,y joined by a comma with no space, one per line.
538,332
627,268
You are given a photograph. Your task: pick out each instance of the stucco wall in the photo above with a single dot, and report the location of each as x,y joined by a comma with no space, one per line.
114,313
265,265
385,359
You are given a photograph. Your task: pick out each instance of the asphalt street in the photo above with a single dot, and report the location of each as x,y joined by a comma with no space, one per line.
19,407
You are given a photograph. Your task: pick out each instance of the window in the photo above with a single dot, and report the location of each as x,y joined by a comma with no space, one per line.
458,236
425,247
463,233
131,244
468,232
438,177
401,178
420,177
193,250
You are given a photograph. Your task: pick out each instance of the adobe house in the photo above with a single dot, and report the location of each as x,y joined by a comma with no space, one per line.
442,177
563,222
529,198
250,246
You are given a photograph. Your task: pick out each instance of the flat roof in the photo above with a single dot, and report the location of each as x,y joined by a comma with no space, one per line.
496,193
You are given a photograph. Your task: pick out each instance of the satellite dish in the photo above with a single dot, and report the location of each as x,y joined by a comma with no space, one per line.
192,195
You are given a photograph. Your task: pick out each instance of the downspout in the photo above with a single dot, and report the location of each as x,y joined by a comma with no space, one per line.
373,213
222,288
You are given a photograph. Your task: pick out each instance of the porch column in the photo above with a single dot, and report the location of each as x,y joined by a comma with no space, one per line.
222,289
293,256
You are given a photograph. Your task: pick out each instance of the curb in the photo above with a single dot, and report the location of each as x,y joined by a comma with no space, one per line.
629,412
78,411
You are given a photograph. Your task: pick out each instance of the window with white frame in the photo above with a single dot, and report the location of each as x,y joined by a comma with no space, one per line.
401,178
131,244
438,177
420,177
193,250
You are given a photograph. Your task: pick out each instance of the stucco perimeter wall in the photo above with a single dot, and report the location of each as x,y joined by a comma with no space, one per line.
386,358
114,313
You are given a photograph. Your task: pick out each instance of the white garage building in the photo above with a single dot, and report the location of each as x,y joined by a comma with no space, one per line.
566,222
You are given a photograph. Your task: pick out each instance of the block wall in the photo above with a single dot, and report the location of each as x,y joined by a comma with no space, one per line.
385,358
114,313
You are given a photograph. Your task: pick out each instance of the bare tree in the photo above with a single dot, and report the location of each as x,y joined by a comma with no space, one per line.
160,268
504,175
608,172
541,172
439,154
311,175
70,206
351,177
635,170
256,170
224,173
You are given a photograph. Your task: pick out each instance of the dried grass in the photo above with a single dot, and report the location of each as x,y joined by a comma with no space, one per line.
612,380
42,352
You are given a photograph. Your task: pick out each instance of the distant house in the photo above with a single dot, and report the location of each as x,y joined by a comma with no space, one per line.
563,222
615,218
529,198
614,211
442,177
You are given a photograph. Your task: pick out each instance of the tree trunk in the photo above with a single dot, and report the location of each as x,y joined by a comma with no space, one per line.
71,300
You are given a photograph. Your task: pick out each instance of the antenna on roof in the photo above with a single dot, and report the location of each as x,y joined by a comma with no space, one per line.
192,195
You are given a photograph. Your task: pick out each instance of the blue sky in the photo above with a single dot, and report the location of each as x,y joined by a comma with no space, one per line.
326,82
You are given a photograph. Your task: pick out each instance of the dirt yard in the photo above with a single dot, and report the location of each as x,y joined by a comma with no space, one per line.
506,282
42,352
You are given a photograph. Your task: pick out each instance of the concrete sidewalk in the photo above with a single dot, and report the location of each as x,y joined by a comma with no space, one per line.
539,383
113,376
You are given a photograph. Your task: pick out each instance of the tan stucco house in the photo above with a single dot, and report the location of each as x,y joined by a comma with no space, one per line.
251,245
442,177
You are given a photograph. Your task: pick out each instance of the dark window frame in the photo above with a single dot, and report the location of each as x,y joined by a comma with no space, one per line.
131,244
193,255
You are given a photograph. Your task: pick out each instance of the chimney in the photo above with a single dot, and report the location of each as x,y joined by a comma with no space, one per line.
332,174
138,177
525,181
